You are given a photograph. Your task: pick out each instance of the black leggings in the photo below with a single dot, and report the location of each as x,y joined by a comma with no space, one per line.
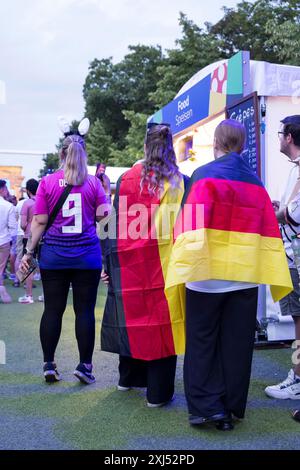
56,284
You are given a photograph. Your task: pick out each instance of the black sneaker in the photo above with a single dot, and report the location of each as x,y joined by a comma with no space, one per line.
84,374
51,373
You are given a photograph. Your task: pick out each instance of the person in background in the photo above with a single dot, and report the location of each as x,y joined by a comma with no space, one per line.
232,245
140,323
13,249
27,213
104,179
70,253
11,275
12,199
288,215
7,229
105,182
20,235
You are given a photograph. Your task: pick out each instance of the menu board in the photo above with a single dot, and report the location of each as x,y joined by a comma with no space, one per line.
246,112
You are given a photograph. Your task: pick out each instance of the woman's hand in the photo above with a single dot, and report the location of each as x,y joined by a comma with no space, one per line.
25,262
104,277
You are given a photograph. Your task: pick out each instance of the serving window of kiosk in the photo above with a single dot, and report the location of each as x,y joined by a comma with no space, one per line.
194,147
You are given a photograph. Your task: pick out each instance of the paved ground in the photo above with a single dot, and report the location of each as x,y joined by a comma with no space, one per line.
67,415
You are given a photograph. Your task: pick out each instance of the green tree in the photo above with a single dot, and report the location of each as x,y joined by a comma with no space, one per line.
196,49
244,27
100,74
109,89
134,149
103,99
268,29
285,40
51,164
98,144
137,74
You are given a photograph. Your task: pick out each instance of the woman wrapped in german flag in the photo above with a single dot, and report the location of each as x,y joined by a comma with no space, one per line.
231,245
142,323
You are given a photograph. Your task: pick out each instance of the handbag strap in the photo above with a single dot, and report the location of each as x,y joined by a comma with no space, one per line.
58,205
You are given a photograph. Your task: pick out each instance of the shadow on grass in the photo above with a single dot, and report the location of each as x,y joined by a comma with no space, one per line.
110,420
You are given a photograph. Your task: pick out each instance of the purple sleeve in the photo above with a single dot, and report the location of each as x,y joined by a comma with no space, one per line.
41,206
24,210
100,194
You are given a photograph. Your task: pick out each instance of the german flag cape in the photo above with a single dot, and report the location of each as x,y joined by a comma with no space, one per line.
140,320
227,230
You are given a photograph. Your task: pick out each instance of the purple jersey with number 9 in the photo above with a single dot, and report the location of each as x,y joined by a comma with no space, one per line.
74,224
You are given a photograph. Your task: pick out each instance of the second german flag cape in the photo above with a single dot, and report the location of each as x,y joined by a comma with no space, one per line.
227,230
140,320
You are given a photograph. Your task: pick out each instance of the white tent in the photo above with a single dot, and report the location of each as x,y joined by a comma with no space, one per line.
265,78
112,172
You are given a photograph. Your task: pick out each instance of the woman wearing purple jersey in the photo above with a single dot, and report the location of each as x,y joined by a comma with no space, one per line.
70,254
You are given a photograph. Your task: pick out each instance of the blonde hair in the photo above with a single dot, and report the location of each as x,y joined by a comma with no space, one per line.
75,162
230,136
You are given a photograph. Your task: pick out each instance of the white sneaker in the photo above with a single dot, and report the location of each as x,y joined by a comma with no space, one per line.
26,299
158,405
123,389
289,388
41,298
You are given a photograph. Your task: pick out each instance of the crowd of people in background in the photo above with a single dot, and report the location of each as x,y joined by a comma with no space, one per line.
8,230
15,230
199,281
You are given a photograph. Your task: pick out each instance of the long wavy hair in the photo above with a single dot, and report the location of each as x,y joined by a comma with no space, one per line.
74,160
159,164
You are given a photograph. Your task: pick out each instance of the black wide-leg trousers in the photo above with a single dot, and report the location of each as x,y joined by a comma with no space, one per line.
220,329
157,375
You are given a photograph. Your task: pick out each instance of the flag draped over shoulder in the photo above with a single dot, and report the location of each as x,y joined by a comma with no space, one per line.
141,320
227,230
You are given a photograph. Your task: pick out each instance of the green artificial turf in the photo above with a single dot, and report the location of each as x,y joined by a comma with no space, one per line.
70,415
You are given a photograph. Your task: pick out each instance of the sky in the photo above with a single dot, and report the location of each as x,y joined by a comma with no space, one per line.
47,45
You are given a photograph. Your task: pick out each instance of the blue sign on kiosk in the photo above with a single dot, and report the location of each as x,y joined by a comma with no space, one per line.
222,90
210,96
189,108
246,112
